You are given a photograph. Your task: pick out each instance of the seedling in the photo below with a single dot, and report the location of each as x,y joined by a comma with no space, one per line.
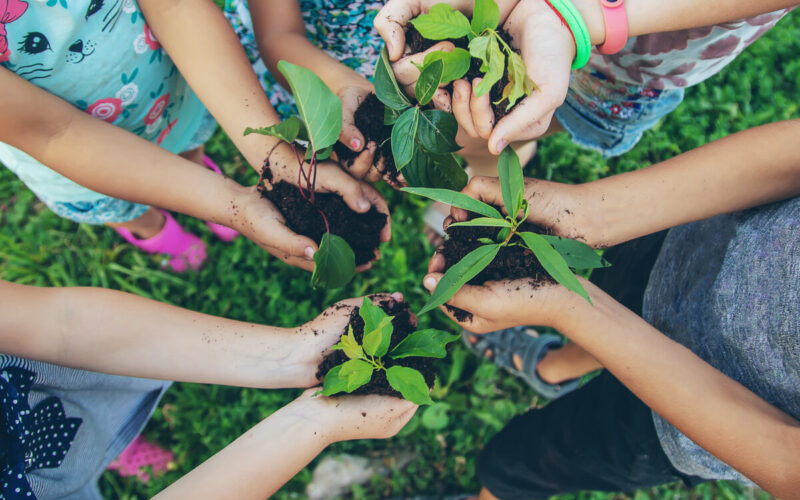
485,43
556,255
319,125
373,355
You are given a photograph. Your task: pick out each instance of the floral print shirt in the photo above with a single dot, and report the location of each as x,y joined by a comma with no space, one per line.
100,56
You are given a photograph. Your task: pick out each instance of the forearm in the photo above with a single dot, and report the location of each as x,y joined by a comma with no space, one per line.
748,169
206,51
649,16
758,440
118,333
258,463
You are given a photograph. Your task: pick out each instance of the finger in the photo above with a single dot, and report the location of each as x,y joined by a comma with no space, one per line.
482,111
437,263
441,101
485,189
334,179
350,135
285,244
390,24
405,70
520,124
446,222
300,263
362,164
377,201
364,267
460,104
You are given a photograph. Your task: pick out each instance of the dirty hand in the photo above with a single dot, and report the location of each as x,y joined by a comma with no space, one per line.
548,49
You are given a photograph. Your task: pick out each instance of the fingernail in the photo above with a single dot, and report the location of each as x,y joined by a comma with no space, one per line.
309,251
476,82
355,143
363,204
429,282
501,144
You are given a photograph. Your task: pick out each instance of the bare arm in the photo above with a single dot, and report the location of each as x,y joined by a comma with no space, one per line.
122,334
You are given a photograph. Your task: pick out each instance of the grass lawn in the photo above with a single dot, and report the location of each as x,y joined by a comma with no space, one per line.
241,281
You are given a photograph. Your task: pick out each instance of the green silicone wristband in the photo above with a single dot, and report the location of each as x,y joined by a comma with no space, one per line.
583,43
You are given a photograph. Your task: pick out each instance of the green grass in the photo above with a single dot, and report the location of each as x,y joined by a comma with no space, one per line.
241,281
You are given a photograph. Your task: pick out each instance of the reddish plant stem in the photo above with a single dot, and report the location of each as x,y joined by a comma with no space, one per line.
310,184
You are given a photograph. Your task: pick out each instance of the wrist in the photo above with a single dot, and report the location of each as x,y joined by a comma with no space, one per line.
592,14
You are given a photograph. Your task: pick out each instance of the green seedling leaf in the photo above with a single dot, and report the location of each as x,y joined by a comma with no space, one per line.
428,81
387,89
435,417
389,116
495,62
577,254
376,342
288,130
479,49
482,222
512,183
333,382
456,199
519,83
485,15
404,133
456,63
442,22
447,172
428,343
349,345
553,263
437,131
371,314
357,372
322,155
485,241
334,263
458,275
410,383
319,108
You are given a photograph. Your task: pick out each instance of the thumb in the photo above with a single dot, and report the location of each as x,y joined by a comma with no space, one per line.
334,179
351,136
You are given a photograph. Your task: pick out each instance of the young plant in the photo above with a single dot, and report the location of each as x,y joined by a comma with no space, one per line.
319,125
371,356
556,254
485,43
423,139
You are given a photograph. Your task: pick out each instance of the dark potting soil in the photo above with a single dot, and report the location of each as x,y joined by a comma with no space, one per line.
512,262
417,43
403,327
369,121
360,231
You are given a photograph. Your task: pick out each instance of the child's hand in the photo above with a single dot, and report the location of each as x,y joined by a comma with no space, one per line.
319,334
344,418
566,210
406,72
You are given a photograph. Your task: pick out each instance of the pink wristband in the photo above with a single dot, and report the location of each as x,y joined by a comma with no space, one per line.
616,21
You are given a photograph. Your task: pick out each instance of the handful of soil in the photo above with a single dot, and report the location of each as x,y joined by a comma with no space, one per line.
360,231
404,325
369,121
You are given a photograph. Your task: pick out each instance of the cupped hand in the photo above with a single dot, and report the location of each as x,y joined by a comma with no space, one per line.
548,49
344,418
407,73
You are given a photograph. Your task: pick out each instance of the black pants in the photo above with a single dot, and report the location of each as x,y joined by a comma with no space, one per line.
600,437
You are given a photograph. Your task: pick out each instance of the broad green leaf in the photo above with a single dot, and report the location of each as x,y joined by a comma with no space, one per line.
404,133
456,63
437,131
371,314
386,87
319,108
553,263
485,15
288,130
435,417
376,341
321,155
410,383
389,115
333,383
479,49
442,22
458,275
496,61
428,81
349,345
417,172
357,372
456,199
428,343
512,183
482,222
448,173
519,83
334,263
577,254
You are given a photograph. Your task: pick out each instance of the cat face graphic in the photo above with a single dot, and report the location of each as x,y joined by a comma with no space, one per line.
38,45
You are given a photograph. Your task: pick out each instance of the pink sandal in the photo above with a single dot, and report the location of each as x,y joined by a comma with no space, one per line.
139,455
222,232
186,249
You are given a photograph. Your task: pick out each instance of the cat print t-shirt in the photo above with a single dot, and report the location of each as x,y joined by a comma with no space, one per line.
101,57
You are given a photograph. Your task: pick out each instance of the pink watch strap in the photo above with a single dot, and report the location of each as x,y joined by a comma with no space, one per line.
616,21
